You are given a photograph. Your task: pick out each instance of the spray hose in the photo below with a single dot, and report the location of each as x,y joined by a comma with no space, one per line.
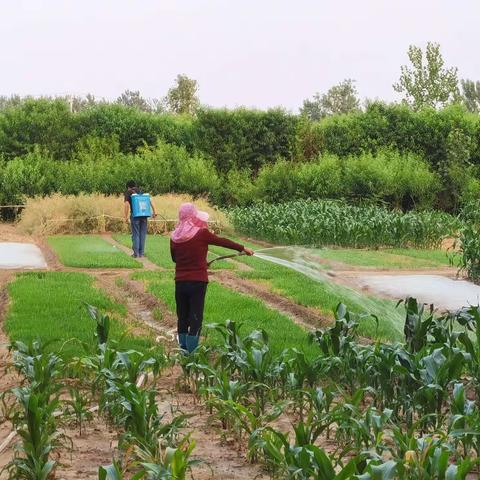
223,257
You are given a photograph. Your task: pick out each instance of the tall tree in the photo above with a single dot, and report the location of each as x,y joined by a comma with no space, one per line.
341,98
427,82
12,101
182,98
471,95
132,98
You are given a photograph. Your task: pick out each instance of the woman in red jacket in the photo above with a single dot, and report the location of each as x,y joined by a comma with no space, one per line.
189,246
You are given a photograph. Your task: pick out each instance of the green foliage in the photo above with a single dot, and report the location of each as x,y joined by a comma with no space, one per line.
334,223
90,251
467,242
34,419
395,413
404,157
102,323
471,95
133,99
49,306
37,123
245,138
428,83
182,98
403,181
342,98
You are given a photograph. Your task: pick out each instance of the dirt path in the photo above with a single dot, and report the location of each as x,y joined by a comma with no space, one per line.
147,264
144,309
221,460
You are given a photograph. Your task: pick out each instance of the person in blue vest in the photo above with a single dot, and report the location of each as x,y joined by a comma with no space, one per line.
138,224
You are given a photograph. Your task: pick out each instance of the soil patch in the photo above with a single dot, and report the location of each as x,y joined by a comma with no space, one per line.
141,305
221,460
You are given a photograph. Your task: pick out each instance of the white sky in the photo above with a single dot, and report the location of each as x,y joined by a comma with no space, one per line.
260,53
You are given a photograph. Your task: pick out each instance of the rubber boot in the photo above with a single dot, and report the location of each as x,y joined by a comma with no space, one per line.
182,341
192,342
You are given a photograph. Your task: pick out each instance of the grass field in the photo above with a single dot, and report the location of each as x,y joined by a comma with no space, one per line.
50,306
90,251
224,304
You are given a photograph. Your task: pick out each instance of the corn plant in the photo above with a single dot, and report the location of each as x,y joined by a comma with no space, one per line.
115,472
429,458
469,317
39,369
77,407
244,421
464,422
102,323
439,369
320,222
34,421
467,243
35,424
174,464
297,462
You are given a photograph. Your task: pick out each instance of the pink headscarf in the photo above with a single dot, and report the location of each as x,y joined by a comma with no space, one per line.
190,222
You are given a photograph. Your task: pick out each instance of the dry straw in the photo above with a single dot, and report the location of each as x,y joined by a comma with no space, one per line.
96,213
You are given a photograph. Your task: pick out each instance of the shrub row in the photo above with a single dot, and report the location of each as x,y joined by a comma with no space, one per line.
401,181
238,138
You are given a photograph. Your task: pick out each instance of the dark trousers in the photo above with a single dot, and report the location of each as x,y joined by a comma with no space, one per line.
190,299
139,234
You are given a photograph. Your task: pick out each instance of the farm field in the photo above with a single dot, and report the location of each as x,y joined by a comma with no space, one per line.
90,251
49,306
311,392
341,342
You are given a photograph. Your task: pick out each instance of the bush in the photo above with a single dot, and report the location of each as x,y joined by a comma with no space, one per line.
237,188
43,123
403,181
245,138
390,126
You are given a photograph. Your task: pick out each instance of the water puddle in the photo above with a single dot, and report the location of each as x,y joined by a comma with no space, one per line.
21,255
445,293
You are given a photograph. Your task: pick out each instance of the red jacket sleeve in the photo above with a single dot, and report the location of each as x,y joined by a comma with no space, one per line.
172,251
213,239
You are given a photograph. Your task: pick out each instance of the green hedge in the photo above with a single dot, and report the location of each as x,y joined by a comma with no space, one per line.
389,153
394,126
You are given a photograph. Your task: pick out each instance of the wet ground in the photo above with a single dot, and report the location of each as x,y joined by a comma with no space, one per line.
433,286
445,293
15,255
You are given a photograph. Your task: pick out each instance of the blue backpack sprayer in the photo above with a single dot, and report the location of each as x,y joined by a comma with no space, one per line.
141,206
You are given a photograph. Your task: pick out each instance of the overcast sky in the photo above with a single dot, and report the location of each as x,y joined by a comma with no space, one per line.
256,53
